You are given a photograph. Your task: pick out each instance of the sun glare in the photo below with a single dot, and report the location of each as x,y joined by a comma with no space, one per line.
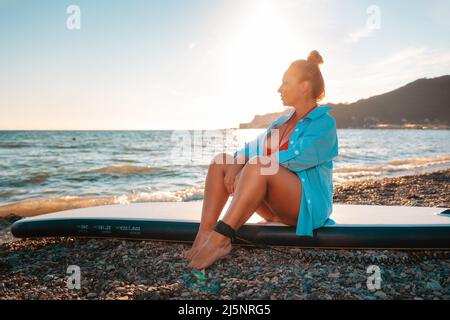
262,47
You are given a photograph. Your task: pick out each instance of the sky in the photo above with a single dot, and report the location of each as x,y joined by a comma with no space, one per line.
202,64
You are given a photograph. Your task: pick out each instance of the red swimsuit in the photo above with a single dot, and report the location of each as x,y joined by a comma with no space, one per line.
283,147
286,144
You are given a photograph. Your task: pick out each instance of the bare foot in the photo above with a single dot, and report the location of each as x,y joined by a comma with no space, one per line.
199,241
216,247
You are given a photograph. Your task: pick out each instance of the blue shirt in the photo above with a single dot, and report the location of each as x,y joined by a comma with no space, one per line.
312,147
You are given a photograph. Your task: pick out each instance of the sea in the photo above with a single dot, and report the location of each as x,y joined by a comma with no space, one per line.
171,165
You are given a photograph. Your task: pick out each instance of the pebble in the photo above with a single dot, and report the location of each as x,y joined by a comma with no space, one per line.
334,275
427,267
380,294
122,270
434,285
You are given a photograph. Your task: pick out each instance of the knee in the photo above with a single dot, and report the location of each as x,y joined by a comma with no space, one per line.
221,159
262,165
258,162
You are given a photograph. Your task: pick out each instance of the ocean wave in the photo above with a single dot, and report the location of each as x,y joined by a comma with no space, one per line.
138,149
420,161
11,145
7,194
33,207
392,168
124,160
58,146
187,166
37,179
357,169
13,182
127,169
397,165
356,175
189,194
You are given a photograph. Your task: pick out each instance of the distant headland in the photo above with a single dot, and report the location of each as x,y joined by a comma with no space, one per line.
421,104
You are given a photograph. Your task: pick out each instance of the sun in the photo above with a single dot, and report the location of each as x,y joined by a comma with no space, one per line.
260,50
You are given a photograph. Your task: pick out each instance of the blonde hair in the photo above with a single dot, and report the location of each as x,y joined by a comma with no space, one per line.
308,70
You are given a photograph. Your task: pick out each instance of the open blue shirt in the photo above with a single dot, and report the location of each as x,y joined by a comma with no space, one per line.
312,147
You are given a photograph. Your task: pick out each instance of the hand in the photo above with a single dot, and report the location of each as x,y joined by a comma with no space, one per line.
230,177
236,180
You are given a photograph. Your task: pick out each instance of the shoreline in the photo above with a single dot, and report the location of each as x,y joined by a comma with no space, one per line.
118,269
37,206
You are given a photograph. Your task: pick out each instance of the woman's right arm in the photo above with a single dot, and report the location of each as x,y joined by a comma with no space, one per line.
233,170
241,157
252,148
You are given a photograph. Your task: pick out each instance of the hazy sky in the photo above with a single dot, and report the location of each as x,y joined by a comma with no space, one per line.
203,64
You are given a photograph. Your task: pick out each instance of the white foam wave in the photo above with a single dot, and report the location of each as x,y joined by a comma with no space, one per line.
33,207
392,168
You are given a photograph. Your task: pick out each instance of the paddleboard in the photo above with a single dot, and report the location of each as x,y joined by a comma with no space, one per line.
356,226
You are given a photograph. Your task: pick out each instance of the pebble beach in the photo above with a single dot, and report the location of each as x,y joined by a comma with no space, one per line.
125,270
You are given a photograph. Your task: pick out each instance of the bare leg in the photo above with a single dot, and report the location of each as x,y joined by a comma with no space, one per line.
267,213
283,192
249,195
215,198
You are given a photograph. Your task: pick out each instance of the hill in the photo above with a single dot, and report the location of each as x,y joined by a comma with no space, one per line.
424,103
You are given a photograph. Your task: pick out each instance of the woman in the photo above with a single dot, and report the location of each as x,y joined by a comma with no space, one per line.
299,193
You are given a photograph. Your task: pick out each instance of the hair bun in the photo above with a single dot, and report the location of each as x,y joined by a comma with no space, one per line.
315,57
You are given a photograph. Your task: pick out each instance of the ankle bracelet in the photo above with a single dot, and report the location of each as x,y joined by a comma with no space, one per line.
224,229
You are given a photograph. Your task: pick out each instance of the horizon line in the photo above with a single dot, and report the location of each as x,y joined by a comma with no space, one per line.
320,104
